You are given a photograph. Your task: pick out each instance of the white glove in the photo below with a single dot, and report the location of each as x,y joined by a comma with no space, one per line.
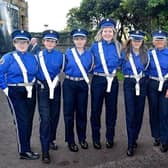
6,91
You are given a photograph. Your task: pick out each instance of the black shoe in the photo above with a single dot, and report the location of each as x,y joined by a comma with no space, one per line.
130,151
109,144
156,142
135,145
97,145
29,156
46,158
73,147
35,154
83,144
53,146
164,148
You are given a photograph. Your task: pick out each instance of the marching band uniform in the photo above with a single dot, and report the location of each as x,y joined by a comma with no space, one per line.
75,90
17,75
49,92
135,84
157,89
104,84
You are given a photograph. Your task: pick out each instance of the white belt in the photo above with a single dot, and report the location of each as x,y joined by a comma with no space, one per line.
105,75
74,78
41,84
20,84
137,86
161,81
154,78
133,76
109,78
157,78
51,89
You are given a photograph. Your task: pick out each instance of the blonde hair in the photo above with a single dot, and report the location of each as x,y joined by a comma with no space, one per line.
98,36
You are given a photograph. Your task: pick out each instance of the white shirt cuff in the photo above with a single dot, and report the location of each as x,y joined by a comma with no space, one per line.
6,91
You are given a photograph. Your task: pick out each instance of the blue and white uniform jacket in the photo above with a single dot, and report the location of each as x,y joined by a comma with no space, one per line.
126,66
110,54
71,67
10,72
54,62
162,56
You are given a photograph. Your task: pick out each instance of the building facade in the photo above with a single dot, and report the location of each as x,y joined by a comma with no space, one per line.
23,12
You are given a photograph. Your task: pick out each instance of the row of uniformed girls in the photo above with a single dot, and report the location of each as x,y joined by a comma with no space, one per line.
144,72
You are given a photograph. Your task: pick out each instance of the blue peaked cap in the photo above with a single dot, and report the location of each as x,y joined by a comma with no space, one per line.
159,34
50,34
79,32
21,34
107,23
136,35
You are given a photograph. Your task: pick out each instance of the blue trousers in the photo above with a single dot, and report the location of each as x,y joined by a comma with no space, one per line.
158,111
98,94
75,99
134,107
23,112
49,110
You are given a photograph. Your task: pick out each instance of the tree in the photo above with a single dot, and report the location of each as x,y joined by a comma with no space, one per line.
92,11
159,13
146,15
73,20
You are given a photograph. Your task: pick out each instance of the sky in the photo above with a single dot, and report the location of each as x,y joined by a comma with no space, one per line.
49,12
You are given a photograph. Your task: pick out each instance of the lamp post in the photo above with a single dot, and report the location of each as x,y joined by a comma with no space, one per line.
45,26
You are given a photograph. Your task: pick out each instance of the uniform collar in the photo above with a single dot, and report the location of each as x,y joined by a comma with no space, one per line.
133,53
48,52
159,50
105,42
79,54
20,53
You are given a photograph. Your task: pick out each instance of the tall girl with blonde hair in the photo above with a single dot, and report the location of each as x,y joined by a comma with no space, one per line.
104,84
